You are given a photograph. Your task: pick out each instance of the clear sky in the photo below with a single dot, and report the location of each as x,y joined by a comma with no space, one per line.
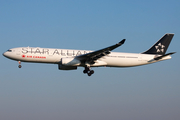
42,92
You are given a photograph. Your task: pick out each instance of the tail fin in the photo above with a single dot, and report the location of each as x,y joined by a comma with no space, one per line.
161,46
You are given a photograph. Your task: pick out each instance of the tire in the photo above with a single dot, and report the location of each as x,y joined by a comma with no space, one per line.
89,74
92,71
84,71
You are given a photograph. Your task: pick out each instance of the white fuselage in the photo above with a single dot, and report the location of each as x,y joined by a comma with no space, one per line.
54,56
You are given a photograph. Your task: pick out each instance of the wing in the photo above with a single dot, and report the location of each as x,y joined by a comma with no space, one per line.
93,56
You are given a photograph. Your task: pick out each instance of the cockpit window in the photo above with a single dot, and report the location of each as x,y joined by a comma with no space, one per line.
9,50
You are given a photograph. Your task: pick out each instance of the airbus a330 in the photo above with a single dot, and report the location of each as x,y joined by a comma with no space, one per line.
68,59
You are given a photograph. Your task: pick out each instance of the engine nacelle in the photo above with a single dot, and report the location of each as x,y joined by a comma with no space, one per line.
62,67
70,61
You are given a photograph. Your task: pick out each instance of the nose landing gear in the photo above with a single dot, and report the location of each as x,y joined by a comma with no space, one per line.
88,71
19,64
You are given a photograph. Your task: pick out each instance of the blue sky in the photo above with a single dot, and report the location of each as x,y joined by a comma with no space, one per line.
42,92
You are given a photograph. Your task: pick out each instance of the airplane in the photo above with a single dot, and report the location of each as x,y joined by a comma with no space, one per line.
68,59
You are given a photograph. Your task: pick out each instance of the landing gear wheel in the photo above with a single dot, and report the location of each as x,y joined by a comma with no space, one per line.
19,66
88,71
92,71
85,71
87,68
89,74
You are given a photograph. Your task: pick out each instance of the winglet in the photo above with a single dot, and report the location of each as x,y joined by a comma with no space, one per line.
122,42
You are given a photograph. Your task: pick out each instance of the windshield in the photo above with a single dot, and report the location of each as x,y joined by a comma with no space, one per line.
9,50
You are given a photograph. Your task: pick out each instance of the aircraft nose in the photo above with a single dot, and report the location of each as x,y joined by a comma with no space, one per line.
5,54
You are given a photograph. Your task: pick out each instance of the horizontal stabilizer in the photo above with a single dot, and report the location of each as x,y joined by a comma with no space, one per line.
160,57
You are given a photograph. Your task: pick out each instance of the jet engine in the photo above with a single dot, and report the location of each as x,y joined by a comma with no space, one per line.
62,67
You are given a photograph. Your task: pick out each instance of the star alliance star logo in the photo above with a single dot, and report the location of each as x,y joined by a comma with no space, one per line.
160,47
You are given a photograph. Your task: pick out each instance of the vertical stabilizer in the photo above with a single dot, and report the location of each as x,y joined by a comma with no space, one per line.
161,46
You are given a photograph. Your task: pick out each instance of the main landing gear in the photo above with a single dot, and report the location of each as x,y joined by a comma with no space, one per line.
88,71
19,64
